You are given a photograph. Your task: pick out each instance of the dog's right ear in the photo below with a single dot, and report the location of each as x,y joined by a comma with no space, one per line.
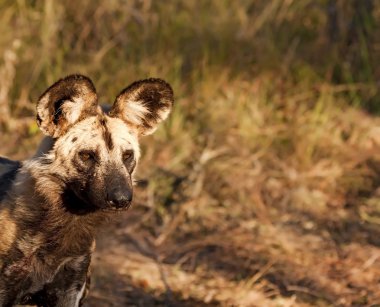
144,104
65,103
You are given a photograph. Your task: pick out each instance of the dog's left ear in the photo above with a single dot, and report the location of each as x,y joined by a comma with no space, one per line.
65,103
144,104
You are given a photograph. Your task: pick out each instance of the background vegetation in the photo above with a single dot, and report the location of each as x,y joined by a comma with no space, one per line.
263,187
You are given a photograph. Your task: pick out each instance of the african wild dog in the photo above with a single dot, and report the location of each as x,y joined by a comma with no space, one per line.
51,205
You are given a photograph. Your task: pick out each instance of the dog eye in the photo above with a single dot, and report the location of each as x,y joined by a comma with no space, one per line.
127,155
86,156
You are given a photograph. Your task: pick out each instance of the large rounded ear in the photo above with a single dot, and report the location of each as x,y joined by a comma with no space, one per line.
66,102
144,104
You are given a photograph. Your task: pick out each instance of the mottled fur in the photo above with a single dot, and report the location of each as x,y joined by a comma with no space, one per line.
52,204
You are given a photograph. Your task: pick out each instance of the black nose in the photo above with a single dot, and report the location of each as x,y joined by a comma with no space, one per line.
120,198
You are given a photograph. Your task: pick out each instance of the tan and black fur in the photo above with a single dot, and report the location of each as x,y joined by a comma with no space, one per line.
52,204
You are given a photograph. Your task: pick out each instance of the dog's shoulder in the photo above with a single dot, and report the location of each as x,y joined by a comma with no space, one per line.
8,166
8,172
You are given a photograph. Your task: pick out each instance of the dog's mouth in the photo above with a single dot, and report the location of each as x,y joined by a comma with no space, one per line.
78,204
115,209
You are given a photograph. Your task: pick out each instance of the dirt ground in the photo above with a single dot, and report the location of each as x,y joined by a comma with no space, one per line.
212,255
305,263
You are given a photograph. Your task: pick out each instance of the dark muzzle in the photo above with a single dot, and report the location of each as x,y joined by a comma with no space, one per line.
120,197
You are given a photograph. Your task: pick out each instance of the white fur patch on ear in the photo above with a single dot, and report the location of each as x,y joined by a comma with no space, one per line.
134,112
72,110
144,104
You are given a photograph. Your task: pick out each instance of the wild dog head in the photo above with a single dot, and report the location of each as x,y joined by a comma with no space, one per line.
95,153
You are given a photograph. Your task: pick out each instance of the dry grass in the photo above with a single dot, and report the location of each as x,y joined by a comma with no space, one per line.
263,187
